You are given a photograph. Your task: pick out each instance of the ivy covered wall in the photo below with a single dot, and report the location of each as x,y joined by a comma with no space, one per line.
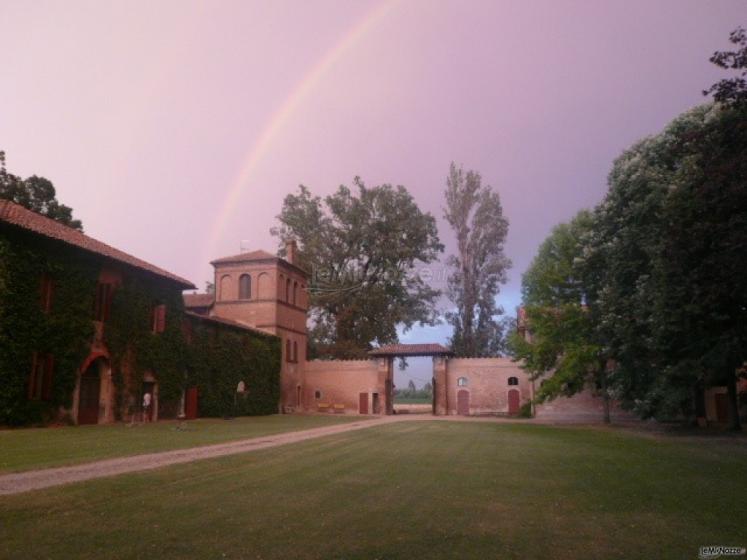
65,332
190,351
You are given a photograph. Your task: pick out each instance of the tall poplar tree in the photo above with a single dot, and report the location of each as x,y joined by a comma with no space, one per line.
479,267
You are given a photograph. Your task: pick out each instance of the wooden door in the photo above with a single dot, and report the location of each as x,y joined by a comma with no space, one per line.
363,403
463,402
190,403
722,408
513,402
88,396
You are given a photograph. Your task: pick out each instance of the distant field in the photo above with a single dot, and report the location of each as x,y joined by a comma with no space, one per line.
35,448
405,400
422,489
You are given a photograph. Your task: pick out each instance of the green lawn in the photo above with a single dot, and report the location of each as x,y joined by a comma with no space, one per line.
408,400
406,490
25,449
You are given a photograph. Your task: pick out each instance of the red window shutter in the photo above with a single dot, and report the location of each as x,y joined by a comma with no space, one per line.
32,376
46,393
161,318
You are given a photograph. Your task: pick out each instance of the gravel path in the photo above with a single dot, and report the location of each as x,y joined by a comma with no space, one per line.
44,478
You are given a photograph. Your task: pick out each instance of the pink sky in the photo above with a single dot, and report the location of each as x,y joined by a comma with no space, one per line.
147,115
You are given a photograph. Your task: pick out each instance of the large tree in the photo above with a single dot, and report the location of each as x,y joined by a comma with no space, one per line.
363,247
672,232
559,302
479,267
37,194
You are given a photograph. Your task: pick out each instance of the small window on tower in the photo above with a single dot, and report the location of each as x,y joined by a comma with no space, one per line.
462,382
245,286
513,380
317,394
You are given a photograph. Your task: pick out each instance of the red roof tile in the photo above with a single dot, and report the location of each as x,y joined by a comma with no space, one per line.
198,300
13,214
246,257
228,322
257,256
410,350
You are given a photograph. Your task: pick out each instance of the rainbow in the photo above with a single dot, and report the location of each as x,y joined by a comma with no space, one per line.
278,120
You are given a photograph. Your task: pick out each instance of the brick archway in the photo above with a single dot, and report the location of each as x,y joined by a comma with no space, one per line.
439,354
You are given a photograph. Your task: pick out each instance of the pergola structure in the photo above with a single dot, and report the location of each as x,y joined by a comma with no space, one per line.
439,354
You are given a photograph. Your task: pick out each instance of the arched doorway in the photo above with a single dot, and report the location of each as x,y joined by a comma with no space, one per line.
89,393
463,402
513,402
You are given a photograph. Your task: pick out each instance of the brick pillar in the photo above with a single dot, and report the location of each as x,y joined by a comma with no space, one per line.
439,375
386,384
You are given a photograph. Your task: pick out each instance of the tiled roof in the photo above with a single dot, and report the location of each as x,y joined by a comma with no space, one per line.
13,214
246,257
198,300
257,256
228,322
411,350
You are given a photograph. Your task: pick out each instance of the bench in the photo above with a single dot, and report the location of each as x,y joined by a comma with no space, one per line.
339,408
323,407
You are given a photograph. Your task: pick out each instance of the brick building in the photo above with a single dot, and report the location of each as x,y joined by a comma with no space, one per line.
59,357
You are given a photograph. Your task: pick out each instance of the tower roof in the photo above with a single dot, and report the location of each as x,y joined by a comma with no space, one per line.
257,256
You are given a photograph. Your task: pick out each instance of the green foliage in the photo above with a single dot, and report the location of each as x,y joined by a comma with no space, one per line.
215,359
37,194
564,346
65,332
732,91
474,212
362,249
220,358
526,410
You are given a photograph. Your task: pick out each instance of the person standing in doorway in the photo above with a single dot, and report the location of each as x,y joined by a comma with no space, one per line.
146,407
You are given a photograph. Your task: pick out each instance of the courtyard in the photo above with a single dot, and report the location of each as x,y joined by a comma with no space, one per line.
407,488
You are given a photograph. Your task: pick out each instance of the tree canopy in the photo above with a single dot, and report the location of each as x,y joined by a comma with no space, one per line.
37,194
479,267
732,90
363,248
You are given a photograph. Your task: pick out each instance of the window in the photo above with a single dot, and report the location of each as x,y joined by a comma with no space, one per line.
158,322
103,302
288,357
317,394
513,381
245,286
288,290
47,289
295,351
295,292
40,380
462,382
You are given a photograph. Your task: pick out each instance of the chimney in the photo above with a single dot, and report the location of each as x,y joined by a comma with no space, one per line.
291,250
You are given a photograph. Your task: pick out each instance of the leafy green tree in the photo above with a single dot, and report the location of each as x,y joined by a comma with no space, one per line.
672,233
732,91
363,248
37,194
474,212
564,348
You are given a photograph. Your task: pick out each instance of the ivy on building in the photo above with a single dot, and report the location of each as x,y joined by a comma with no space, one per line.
64,332
189,352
